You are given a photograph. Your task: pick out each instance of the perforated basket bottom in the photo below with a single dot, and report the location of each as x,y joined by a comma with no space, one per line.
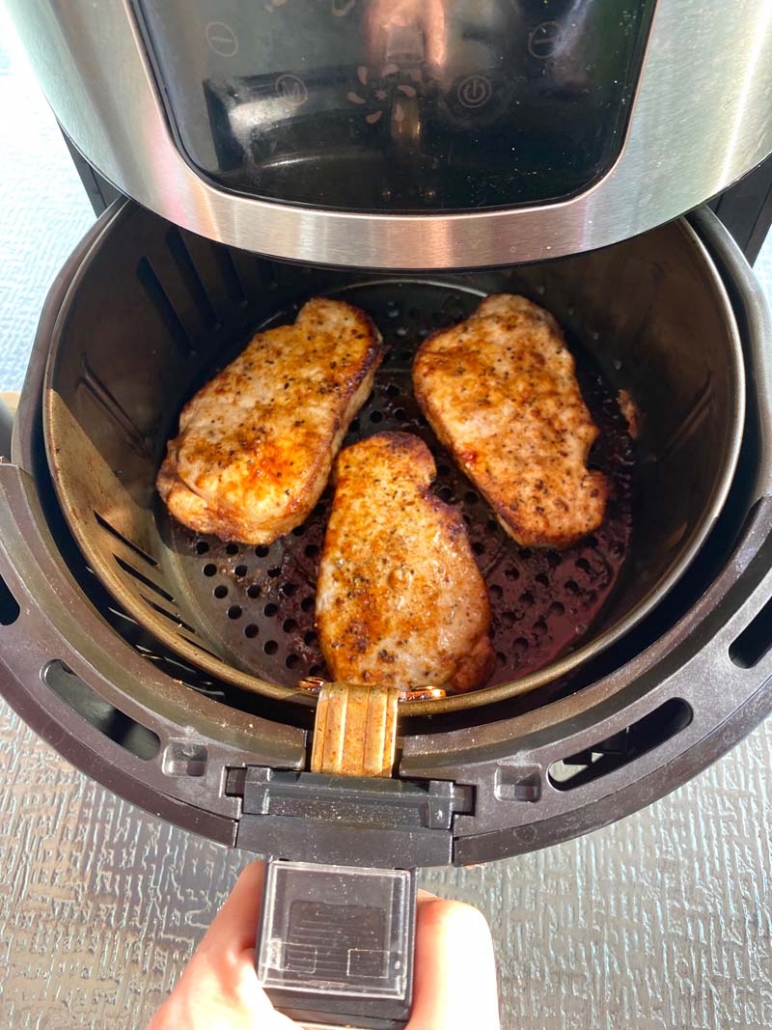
258,603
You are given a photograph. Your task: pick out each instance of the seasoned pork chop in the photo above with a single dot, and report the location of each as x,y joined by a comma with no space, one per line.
257,443
499,390
400,600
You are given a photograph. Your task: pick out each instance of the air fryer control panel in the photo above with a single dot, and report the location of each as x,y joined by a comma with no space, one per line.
398,105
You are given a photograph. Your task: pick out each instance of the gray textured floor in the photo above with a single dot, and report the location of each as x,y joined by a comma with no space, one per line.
661,921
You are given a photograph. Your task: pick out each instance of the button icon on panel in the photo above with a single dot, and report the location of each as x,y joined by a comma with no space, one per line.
474,91
543,40
222,39
292,89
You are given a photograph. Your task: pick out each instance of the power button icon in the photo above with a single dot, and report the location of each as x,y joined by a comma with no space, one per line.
474,91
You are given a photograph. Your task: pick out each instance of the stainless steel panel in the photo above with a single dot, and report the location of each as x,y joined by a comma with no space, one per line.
700,120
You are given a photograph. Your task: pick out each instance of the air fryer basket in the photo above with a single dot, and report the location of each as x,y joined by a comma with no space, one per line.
669,697
156,311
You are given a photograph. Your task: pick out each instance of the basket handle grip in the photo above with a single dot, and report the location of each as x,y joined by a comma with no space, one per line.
336,944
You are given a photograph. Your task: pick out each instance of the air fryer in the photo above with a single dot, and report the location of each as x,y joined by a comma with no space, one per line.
183,672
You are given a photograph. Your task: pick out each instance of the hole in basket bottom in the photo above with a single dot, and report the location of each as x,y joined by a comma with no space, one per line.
111,722
622,748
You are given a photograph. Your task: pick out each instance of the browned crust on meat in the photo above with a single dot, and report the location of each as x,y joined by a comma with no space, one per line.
259,472
400,600
501,394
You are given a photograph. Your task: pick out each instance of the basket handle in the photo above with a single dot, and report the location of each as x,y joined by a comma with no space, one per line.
336,944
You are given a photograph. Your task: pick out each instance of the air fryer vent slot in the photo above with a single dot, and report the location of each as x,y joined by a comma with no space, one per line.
755,641
119,727
141,578
114,410
176,244
124,540
622,748
173,617
9,608
230,276
160,301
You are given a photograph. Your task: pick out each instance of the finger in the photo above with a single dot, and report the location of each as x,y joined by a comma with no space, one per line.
455,969
223,963
235,925
219,987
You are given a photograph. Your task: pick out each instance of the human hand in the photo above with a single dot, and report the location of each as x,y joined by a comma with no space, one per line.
455,970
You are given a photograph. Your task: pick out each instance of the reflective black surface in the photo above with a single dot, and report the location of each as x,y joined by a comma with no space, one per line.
399,105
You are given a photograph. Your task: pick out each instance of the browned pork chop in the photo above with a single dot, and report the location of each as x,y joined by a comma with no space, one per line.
400,600
257,443
501,394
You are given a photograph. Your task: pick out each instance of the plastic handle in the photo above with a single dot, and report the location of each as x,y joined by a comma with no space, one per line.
336,944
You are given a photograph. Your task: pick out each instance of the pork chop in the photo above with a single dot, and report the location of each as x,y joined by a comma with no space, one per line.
500,392
257,443
400,601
